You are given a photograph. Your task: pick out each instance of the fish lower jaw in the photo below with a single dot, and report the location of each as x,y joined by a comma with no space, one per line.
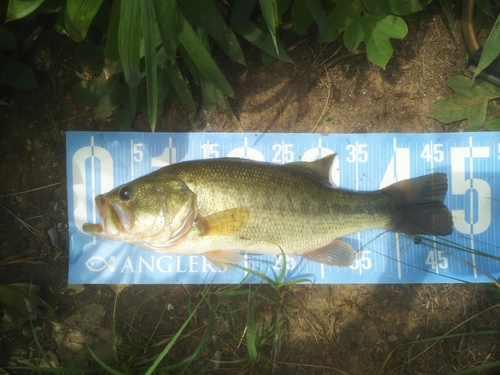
94,229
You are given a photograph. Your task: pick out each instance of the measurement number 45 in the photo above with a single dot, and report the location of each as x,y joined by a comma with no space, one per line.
437,259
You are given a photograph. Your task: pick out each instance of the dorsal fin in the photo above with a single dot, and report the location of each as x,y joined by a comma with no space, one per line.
319,168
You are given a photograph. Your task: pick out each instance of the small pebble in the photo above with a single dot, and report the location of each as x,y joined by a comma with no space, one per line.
170,307
392,338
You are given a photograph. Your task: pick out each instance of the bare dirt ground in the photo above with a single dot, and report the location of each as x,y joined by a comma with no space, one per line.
336,329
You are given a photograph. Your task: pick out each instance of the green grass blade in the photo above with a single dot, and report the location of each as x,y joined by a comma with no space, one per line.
251,334
78,16
55,370
477,369
257,37
201,57
174,339
149,29
435,338
21,8
103,364
205,340
166,16
269,10
205,14
449,16
129,40
111,47
39,346
242,10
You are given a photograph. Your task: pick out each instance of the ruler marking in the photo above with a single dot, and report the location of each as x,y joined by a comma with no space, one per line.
471,206
419,166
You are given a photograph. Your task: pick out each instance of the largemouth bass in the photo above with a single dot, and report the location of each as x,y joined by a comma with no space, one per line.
223,207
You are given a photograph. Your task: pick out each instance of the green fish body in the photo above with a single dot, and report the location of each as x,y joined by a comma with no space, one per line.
224,207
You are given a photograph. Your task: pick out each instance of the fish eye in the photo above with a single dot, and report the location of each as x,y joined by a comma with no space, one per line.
126,193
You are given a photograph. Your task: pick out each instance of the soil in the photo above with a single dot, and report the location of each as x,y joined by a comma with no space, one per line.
324,329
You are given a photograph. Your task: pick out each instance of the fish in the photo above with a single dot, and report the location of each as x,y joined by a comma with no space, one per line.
223,208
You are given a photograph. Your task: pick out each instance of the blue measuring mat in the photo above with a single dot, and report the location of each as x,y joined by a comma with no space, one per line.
99,161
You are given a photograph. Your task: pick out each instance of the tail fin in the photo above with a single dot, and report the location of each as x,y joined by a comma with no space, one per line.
420,207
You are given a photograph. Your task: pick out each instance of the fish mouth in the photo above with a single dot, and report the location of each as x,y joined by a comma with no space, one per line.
115,219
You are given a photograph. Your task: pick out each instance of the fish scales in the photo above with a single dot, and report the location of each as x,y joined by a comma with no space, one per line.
287,207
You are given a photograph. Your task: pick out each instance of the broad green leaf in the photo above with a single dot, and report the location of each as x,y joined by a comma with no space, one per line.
223,104
375,30
242,10
180,86
101,19
129,40
301,17
21,303
267,58
16,74
205,14
320,17
155,35
207,87
21,8
469,102
85,94
399,7
230,45
345,12
106,108
269,10
492,125
491,49
257,37
7,39
485,7
148,29
201,57
283,6
166,17
164,85
209,95
111,47
78,16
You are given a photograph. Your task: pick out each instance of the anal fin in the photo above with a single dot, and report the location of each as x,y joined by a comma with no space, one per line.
221,258
338,253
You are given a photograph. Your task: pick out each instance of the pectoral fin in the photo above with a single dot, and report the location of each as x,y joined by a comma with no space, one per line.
337,253
224,223
221,258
